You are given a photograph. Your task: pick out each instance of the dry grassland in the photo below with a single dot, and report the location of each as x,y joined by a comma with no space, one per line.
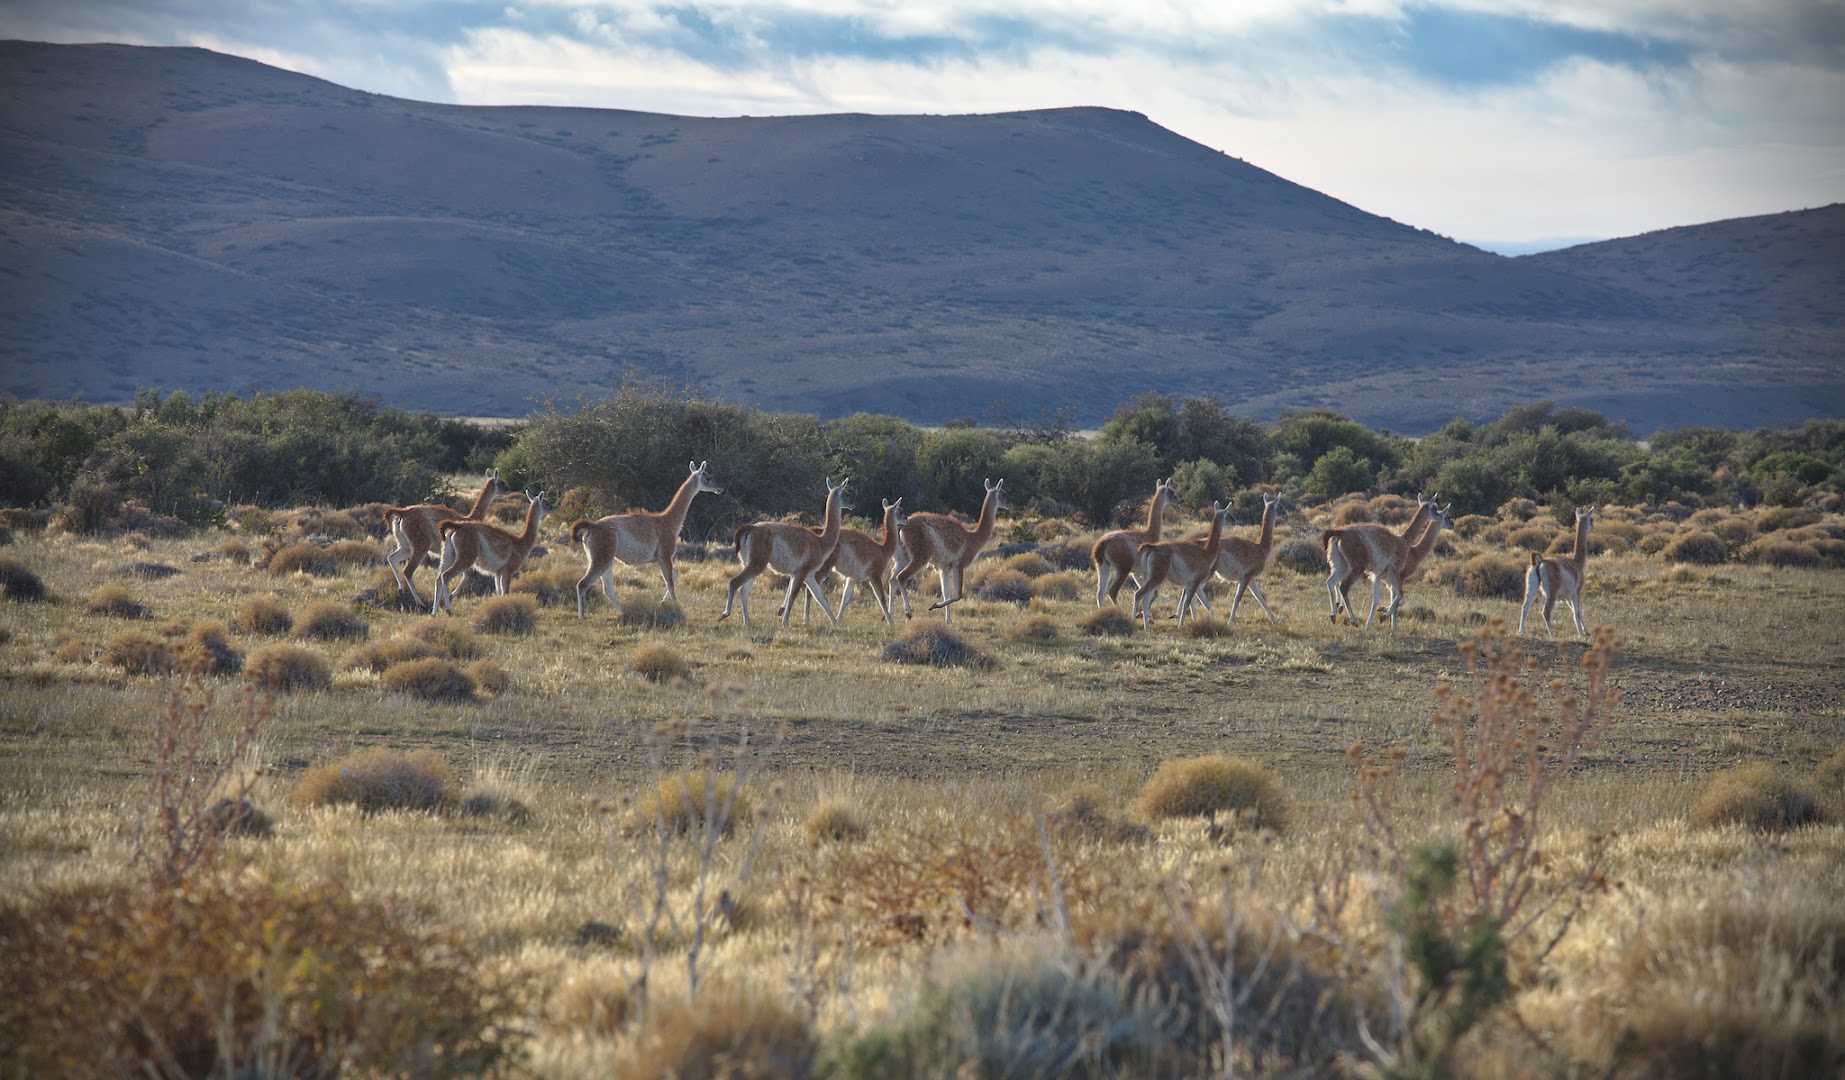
885,840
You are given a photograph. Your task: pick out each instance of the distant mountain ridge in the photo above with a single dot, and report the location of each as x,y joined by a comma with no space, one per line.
189,220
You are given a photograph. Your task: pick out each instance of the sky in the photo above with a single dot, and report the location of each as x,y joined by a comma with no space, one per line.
1515,125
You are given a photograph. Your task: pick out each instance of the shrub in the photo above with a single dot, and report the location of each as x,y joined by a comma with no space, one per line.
303,558
379,655
835,820
1035,628
1492,576
1003,586
510,614
150,571
238,817
208,650
138,653
262,615
1204,626
1755,797
597,1000
1063,585
929,642
725,1033
554,586
115,602
379,779
1029,1013
682,802
330,620
658,664
646,612
1783,553
349,553
18,582
1701,548
1108,621
288,668
1775,518
1299,555
1832,769
489,677
432,678
1532,537
1352,513
451,637
232,977
1029,563
1204,786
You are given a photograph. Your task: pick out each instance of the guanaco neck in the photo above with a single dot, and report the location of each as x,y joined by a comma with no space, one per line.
989,517
482,501
887,540
1214,540
1424,544
530,532
675,512
1581,555
1416,522
1156,513
1266,542
829,534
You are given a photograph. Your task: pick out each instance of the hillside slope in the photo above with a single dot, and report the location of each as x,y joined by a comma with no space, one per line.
185,219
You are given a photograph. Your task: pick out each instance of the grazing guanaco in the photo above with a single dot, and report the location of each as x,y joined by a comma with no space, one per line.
790,549
940,541
415,530
488,548
1115,553
1365,536
637,538
1388,559
1560,579
1189,563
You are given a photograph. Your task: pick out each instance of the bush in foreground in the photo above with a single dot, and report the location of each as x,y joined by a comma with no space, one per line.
242,978
1213,784
933,643
288,668
380,779
1755,797
432,678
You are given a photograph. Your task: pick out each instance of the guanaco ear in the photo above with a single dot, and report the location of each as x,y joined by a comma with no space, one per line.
989,483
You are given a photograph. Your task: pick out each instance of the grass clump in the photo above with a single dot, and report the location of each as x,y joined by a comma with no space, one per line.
310,559
1831,770
683,802
1062,585
1035,629
553,586
230,978
1108,621
380,779
18,582
1082,813
646,612
432,678
1213,784
835,820
1029,563
138,653
1492,576
330,620
658,664
725,1033
115,602
1003,586
1756,797
348,553
453,638
379,655
930,642
288,668
514,614
265,615
489,677
1205,627
1787,554
206,648
1698,548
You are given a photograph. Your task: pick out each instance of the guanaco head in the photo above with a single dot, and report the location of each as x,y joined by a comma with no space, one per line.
540,505
702,477
894,513
496,487
839,492
996,490
1585,516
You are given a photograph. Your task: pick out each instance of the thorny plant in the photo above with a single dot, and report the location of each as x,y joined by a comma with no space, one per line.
190,827
711,805
1507,750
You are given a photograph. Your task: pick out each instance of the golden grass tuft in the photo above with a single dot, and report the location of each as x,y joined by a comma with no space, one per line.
1351,513
489,677
1783,553
310,559
514,614
1491,576
349,553
682,802
433,678
597,1001
1082,812
453,638
552,586
1532,537
1062,585
1002,585
725,1033
378,779
1299,555
378,655
647,612
1029,563
1832,769
1699,548
18,582
331,620
658,664
138,652
264,615
115,602
207,649
835,819
1204,627
1756,797
926,641
1109,621
1209,785
288,668
1035,629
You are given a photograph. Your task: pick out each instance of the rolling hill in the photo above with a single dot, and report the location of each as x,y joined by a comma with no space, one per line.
188,220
